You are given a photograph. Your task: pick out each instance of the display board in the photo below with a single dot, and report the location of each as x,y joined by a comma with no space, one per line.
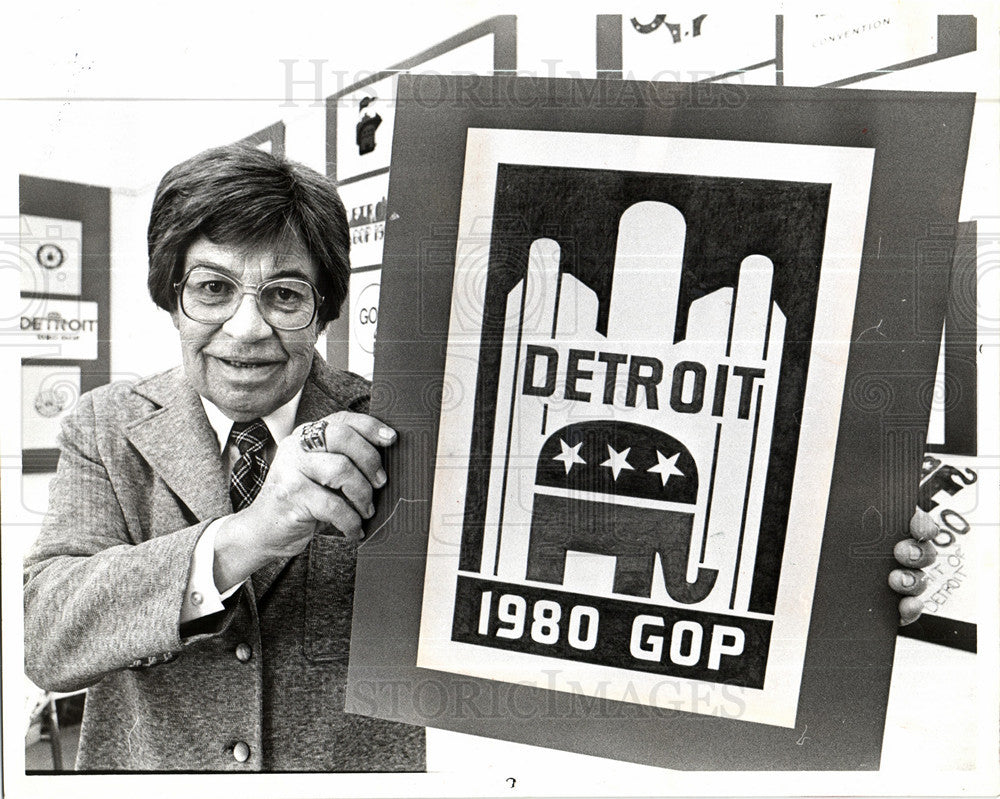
65,307
691,45
360,124
644,520
270,139
797,48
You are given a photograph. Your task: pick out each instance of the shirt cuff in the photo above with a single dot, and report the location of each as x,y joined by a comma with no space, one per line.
202,597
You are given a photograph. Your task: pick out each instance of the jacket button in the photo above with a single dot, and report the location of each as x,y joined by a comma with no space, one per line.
243,653
241,752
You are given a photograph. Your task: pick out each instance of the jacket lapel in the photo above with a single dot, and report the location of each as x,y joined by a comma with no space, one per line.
324,393
179,444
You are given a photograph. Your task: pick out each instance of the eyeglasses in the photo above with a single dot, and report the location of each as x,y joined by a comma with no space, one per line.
285,303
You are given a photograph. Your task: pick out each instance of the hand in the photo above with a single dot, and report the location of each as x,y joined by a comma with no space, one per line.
303,493
915,553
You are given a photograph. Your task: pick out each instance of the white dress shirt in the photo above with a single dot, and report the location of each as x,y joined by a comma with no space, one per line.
203,597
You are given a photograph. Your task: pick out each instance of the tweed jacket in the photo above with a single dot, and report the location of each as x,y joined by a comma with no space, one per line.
259,686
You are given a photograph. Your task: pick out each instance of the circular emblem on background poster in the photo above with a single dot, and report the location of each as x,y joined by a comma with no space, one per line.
51,402
50,256
56,394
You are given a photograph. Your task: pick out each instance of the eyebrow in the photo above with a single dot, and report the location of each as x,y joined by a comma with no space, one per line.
286,272
201,264
297,273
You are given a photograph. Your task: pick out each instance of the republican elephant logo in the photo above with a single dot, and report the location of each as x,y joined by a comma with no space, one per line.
619,489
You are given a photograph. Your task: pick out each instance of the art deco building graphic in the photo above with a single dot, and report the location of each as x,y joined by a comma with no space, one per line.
632,445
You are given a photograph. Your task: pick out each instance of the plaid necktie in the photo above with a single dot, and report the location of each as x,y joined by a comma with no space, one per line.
250,468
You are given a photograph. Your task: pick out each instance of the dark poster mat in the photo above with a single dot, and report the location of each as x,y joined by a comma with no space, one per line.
920,142
960,370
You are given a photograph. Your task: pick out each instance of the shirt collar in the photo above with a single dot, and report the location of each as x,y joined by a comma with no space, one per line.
280,421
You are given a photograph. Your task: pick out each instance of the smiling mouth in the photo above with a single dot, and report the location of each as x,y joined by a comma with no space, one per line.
241,364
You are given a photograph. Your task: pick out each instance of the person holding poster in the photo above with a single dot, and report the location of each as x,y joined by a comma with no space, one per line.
196,568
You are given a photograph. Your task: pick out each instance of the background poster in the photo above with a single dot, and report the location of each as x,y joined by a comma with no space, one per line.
363,308
365,119
696,40
69,327
49,393
951,491
823,47
50,260
366,210
365,113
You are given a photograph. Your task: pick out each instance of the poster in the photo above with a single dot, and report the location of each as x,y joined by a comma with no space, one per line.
363,309
365,113
364,128
636,461
365,201
641,530
50,256
821,48
48,393
952,493
749,45
696,41
60,329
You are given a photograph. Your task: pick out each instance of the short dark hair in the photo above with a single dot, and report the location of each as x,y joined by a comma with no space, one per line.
238,195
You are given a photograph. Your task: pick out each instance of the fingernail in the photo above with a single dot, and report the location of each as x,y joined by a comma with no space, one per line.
903,622
380,478
386,433
923,526
907,579
915,554
371,510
